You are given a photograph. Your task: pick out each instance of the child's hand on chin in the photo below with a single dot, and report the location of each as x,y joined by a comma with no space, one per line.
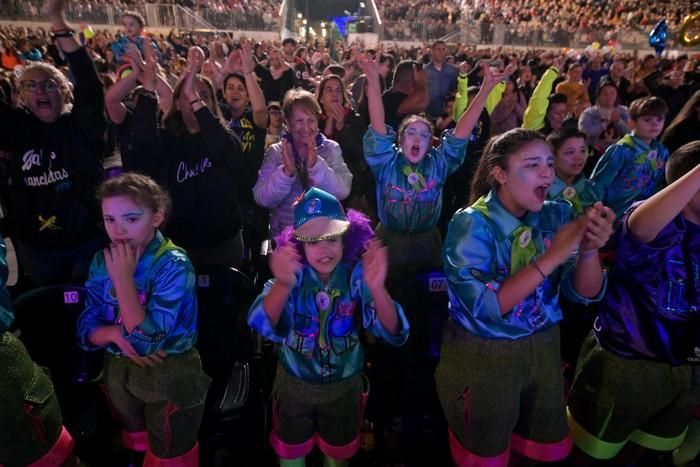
121,260
285,262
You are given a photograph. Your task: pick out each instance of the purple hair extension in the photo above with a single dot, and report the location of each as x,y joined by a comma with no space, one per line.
354,241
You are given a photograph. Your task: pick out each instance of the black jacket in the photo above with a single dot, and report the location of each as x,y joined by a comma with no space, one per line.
201,172
55,168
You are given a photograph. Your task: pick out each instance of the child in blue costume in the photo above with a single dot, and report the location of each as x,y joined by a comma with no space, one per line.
410,175
570,184
633,168
638,375
313,309
134,25
506,258
31,433
141,306
570,154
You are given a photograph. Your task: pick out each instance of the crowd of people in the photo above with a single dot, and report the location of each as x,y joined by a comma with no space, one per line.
557,192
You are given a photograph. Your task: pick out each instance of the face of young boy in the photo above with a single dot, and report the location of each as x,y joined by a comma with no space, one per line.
648,127
571,158
526,181
415,141
324,256
132,29
127,222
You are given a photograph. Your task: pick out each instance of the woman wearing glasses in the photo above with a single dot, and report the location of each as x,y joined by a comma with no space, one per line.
56,144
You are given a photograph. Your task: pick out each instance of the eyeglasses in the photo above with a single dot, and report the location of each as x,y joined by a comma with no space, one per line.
48,86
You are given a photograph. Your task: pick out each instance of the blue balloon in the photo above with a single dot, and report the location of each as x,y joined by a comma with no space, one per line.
657,36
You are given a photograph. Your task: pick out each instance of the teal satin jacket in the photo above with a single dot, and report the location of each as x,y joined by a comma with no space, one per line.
477,259
6,315
581,194
409,199
317,331
165,282
629,171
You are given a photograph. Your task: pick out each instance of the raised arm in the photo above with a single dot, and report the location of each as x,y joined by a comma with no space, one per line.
147,143
374,93
162,88
417,102
468,120
657,212
114,98
66,42
220,141
536,111
255,94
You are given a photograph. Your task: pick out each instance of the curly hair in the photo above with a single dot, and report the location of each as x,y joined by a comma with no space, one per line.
354,240
141,189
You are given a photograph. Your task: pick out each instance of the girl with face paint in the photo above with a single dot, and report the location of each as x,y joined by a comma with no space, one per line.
410,175
328,283
142,308
507,256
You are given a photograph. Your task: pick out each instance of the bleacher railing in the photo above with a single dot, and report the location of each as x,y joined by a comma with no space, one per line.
422,31
249,20
478,32
157,16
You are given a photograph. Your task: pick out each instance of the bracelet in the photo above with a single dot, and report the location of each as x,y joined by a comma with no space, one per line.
199,99
587,254
62,33
533,261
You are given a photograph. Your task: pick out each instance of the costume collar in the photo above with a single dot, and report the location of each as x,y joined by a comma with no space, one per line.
505,222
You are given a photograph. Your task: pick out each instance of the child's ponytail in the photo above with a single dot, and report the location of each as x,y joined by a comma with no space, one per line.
496,154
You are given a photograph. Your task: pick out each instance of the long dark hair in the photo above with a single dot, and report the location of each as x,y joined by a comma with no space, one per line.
343,90
496,154
689,110
173,121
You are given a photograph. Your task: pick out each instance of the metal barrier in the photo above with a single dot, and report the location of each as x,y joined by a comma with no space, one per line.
427,30
240,21
156,15
523,34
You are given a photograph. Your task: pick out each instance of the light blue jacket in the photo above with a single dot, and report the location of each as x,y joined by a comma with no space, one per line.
409,199
318,328
165,282
581,194
477,258
629,171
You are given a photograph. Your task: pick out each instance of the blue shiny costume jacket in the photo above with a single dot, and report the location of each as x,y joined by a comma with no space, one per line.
630,170
652,308
318,328
477,258
409,199
165,283
6,315
581,194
